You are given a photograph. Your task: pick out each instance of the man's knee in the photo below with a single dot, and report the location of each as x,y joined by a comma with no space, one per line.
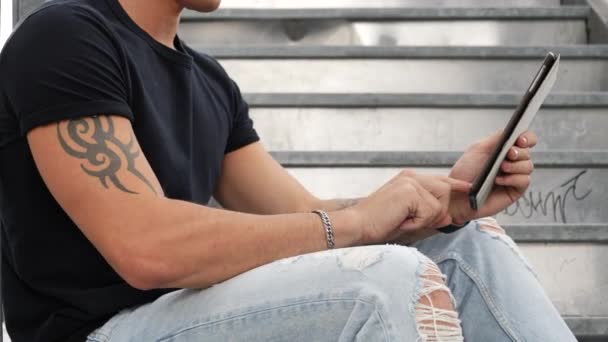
435,312
434,307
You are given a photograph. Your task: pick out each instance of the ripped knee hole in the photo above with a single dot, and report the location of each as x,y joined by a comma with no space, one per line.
436,318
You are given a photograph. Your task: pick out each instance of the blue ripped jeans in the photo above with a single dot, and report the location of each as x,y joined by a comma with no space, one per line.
369,293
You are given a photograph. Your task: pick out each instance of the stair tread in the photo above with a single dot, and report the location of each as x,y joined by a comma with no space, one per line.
558,232
588,326
579,100
481,52
410,70
553,159
416,13
393,52
393,3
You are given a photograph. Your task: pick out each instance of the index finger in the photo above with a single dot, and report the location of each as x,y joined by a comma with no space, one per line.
457,184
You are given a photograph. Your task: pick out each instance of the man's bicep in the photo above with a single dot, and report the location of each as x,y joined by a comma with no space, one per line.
93,167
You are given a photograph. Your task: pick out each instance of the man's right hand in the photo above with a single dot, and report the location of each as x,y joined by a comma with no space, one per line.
409,203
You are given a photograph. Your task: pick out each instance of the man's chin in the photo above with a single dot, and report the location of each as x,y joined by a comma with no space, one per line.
202,5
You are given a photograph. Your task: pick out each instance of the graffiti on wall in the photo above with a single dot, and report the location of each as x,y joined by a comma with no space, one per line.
553,203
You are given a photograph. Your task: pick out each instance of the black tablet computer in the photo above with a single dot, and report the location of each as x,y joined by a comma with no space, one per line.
519,123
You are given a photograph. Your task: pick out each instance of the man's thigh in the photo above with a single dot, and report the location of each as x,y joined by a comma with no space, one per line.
361,293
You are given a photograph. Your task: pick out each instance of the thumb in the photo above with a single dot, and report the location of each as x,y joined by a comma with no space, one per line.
487,144
492,140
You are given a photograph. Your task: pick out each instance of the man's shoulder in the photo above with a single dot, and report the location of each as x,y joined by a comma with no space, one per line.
63,53
58,27
60,15
55,22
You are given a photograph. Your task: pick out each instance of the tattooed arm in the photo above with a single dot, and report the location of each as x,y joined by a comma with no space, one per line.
103,155
96,171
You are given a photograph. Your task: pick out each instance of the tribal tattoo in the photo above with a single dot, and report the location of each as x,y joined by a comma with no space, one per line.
93,140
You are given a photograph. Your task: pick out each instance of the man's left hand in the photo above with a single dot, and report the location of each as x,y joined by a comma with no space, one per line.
511,182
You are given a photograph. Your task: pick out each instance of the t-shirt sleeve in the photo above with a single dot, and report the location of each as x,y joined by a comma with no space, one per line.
242,132
64,63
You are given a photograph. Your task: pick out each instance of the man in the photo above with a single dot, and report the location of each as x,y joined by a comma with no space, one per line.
113,137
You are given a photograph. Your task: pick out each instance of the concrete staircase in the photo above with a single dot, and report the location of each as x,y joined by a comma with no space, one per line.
347,92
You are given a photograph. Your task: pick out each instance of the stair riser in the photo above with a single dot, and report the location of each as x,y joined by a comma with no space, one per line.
340,32
555,201
394,129
574,276
384,3
409,75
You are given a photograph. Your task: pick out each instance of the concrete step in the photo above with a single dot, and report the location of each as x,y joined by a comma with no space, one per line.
420,122
588,329
440,100
357,69
558,233
383,13
385,3
567,187
388,26
342,159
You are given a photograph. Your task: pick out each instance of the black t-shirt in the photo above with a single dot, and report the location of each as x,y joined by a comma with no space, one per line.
75,58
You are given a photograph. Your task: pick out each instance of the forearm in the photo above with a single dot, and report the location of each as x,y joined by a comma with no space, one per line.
405,239
198,246
336,204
